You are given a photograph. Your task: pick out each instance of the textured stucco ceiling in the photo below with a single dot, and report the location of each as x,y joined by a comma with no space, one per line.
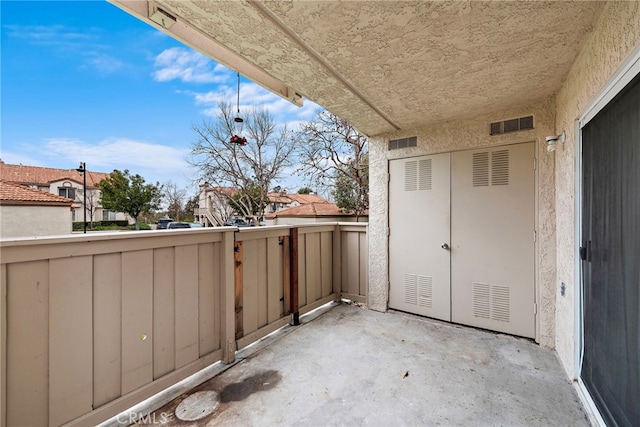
398,64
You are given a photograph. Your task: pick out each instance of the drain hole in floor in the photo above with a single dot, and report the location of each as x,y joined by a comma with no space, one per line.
198,406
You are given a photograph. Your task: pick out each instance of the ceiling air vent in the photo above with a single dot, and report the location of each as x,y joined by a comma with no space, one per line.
511,125
411,141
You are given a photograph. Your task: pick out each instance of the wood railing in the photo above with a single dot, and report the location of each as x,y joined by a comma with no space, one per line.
91,325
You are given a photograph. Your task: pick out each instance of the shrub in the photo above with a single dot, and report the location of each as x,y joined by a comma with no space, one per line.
142,226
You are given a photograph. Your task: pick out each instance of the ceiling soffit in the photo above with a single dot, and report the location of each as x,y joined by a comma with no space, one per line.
388,65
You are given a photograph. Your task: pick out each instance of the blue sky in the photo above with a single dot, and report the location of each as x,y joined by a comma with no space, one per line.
85,81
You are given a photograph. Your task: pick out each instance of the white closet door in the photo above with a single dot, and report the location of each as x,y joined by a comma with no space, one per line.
419,219
492,235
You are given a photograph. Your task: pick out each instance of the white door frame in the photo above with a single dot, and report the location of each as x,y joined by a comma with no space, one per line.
627,71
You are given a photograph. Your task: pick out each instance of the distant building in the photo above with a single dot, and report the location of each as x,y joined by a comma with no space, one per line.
65,183
283,200
313,212
214,210
27,212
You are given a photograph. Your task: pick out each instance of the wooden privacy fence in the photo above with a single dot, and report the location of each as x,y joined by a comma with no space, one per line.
91,325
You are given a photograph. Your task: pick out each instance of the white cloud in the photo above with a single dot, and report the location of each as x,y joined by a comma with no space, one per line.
105,64
253,95
19,159
48,35
154,162
189,66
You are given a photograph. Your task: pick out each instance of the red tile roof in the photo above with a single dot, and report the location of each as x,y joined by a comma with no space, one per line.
310,210
32,175
225,191
274,197
288,198
15,194
306,198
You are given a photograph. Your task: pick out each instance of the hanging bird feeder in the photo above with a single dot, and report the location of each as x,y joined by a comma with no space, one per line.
235,139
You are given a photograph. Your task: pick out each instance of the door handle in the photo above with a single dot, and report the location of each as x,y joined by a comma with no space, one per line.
445,246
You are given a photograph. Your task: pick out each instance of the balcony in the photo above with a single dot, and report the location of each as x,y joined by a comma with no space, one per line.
93,325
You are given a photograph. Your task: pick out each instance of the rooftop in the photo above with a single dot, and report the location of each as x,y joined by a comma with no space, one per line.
312,209
40,175
12,193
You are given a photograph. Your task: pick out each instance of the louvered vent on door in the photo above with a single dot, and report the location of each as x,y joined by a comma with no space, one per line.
481,296
490,302
500,167
410,289
425,291
418,290
500,303
481,169
418,175
411,175
425,174
499,170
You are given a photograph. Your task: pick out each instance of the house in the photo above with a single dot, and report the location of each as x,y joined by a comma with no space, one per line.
213,207
279,200
214,210
26,212
66,183
503,157
313,212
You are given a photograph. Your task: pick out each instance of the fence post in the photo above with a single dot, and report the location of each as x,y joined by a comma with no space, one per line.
337,262
293,276
286,274
238,279
227,284
3,345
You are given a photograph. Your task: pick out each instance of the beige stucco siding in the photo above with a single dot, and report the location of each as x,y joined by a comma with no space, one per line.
615,36
30,221
612,41
460,135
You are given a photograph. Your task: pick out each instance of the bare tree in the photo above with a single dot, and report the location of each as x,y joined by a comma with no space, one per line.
175,199
93,202
334,155
190,207
249,168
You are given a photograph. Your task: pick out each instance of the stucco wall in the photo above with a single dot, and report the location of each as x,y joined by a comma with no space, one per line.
615,36
30,221
459,135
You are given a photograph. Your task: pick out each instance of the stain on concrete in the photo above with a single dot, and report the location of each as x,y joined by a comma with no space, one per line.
239,391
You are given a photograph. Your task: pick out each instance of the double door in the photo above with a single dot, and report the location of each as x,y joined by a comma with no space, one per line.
462,237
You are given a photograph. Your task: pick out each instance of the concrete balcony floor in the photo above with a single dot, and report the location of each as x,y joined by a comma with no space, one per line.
353,366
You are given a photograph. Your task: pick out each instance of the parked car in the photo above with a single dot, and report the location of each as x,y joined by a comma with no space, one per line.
176,224
236,222
162,223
